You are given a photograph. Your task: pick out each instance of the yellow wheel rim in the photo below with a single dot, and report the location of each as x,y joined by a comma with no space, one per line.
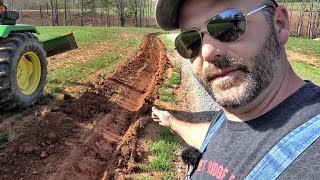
28,73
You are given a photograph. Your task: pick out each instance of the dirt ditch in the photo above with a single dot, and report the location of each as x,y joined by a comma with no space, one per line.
94,136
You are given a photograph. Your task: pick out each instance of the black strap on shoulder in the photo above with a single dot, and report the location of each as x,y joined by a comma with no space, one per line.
213,125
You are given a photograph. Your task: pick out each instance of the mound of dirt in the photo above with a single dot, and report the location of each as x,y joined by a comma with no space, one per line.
94,136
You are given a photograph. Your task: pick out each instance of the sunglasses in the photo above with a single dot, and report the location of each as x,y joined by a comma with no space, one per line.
226,26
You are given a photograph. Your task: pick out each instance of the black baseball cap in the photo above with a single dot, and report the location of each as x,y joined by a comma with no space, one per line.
167,13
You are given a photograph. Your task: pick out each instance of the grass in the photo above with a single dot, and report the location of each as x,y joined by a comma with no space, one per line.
119,45
304,46
306,71
58,79
162,149
176,76
309,48
166,93
167,42
85,36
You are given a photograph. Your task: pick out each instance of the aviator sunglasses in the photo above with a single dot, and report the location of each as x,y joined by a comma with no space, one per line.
226,26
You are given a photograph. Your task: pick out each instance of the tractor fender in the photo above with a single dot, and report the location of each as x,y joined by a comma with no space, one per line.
5,30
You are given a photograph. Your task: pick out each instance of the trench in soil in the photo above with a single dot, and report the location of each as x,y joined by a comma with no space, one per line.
94,136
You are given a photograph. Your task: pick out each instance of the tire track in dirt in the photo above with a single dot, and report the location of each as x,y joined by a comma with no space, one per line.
94,136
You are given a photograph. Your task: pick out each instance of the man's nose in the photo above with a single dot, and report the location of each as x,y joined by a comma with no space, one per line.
212,49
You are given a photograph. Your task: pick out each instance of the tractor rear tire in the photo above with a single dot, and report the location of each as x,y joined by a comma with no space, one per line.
23,71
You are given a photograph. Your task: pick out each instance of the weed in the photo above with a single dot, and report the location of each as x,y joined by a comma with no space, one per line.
167,96
7,137
175,79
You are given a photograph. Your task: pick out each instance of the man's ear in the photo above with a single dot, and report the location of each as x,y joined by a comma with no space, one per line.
282,24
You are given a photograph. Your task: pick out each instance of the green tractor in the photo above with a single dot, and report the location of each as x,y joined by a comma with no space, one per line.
23,64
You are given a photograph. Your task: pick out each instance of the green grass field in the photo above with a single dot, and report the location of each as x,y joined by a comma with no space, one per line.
304,46
87,35
162,149
310,48
119,45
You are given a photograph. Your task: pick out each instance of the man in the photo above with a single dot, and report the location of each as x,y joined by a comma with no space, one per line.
237,52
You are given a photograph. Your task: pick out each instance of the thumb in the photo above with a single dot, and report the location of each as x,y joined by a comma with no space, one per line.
157,112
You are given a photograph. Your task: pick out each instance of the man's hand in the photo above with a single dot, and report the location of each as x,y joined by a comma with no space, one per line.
192,133
163,117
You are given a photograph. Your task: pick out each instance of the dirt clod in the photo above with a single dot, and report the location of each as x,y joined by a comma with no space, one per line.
26,149
52,137
3,158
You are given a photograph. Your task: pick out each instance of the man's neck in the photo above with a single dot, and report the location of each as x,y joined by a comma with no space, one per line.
276,93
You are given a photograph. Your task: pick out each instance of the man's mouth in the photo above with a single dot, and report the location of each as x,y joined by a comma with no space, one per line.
223,74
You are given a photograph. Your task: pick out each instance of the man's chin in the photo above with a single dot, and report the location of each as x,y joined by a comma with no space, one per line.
226,85
229,96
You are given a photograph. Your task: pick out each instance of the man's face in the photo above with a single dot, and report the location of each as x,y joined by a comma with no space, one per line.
234,73
251,76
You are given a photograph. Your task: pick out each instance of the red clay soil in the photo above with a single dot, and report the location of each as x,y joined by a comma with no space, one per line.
94,136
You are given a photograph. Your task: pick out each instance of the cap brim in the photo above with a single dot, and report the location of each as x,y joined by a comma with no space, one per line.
167,14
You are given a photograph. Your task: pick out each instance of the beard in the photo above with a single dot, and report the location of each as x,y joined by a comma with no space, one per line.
253,75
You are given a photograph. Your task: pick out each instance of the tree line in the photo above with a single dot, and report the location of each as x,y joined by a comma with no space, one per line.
304,17
137,13
304,14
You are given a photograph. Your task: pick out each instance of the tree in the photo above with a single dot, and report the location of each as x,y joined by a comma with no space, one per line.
93,12
106,5
65,13
82,11
300,20
134,8
120,5
313,17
